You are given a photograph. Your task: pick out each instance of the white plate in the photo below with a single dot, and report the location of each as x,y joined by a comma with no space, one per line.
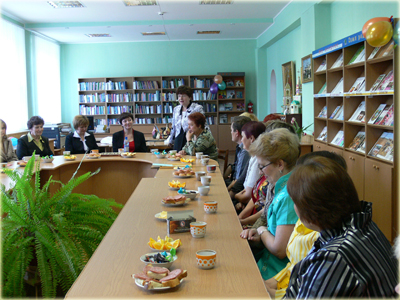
138,283
157,216
175,205
92,157
174,189
70,159
126,156
186,176
173,159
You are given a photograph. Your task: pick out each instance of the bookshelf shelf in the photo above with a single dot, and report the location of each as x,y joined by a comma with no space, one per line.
367,147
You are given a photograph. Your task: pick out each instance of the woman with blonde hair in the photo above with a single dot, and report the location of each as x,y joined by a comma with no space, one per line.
7,149
80,141
252,117
276,153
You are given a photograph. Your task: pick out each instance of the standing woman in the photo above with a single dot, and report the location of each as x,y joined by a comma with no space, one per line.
80,141
7,149
34,141
136,140
180,125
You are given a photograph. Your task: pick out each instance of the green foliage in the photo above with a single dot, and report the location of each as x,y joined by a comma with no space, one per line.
59,231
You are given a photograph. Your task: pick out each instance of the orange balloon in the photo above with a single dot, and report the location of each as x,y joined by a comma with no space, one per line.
379,33
218,79
372,21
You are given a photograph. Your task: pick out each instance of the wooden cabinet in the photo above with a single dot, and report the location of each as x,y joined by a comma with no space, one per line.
372,176
151,99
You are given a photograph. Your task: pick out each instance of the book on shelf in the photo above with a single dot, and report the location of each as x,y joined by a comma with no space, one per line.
387,82
221,94
230,94
240,106
383,147
338,140
358,85
323,112
322,66
323,135
377,113
386,50
357,141
387,120
323,89
339,115
361,148
239,82
335,112
359,114
228,106
355,56
377,82
374,52
382,114
339,61
239,94
338,88
223,118
229,82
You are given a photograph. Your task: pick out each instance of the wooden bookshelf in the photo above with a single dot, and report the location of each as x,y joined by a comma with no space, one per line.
151,100
371,175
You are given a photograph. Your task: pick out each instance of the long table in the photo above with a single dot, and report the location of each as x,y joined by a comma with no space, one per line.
108,272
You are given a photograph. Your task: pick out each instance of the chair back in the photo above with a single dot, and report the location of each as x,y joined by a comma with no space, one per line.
224,154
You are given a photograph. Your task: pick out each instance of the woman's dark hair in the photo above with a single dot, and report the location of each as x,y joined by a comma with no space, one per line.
331,155
238,123
271,117
253,128
35,120
198,118
323,192
124,116
183,89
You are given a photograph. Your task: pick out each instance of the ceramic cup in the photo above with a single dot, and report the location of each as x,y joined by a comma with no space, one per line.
120,150
153,150
203,190
198,229
199,154
172,152
205,180
206,259
210,207
211,168
95,151
199,174
204,161
67,153
204,156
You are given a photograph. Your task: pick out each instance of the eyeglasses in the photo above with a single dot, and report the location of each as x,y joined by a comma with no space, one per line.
262,167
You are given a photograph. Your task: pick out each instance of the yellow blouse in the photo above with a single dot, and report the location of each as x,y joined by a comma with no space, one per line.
300,243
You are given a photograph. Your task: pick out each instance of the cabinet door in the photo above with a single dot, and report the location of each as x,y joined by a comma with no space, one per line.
225,138
317,146
334,150
355,168
378,190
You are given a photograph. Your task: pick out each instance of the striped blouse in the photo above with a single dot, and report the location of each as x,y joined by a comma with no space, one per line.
355,260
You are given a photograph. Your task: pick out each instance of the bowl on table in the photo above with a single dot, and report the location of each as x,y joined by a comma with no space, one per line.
48,160
156,264
191,194
161,155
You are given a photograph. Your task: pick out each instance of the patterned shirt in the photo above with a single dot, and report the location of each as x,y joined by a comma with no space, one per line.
180,120
355,260
204,143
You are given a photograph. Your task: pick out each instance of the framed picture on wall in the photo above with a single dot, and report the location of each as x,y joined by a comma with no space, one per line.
307,70
289,81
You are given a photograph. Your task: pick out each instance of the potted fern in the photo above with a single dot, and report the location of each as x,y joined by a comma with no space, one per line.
54,234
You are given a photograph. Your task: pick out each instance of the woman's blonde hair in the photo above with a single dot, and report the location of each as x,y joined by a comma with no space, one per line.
249,115
278,144
80,121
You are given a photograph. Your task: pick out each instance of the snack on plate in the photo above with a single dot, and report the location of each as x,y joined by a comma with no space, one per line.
22,163
176,155
156,277
176,184
187,160
93,155
128,154
184,172
70,157
180,199
163,215
166,244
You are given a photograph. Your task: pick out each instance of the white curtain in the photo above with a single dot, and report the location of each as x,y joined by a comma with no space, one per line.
46,73
13,84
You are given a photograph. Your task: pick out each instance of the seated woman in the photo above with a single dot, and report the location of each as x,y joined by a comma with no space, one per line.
34,141
80,141
276,154
7,149
301,240
136,140
352,257
250,132
199,138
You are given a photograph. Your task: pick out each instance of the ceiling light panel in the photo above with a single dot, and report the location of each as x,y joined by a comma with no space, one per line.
153,33
214,2
140,3
97,35
65,4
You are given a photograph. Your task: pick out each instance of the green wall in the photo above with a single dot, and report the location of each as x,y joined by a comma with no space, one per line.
301,28
152,59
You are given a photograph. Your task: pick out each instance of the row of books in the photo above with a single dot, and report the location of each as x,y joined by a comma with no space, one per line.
164,120
207,107
384,147
338,140
359,113
230,94
147,96
225,107
337,113
169,108
384,115
383,51
384,82
146,85
323,112
92,98
148,109
323,136
358,143
92,110
201,83
201,95
116,110
211,120
358,56
358,85
172,83
95,86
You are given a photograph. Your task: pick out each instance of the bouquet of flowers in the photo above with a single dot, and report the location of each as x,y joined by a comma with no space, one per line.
299,130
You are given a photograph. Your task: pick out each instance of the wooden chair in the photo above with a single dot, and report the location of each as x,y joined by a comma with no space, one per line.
224,154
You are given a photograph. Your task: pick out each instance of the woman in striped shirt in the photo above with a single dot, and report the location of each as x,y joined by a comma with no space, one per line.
352,257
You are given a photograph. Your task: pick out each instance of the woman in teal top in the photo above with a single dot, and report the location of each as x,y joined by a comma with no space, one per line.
276,152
